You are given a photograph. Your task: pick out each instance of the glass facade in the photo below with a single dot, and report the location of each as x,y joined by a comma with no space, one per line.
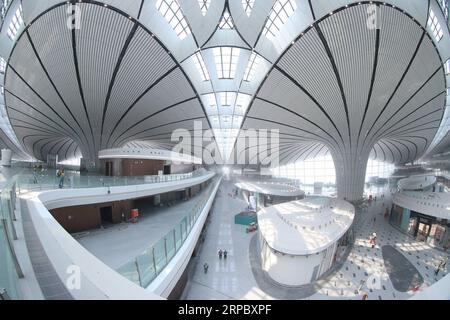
431,230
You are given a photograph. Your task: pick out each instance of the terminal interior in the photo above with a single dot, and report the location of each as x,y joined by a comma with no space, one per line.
224,149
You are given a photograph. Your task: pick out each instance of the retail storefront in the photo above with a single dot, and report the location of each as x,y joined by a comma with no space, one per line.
434,231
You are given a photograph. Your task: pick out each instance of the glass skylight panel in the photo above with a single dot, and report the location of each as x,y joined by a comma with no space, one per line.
226,59
227,21
435,27
447,67
248,6
227,98
444,6
171,11
280,13
253,62
242,102
2,65
15,24
204,6
201,67
211,100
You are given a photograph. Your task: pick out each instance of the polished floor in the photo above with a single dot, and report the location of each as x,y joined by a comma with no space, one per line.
233,279
117,244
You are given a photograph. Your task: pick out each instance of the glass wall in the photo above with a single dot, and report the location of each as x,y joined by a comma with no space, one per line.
310,171
379,169
322,170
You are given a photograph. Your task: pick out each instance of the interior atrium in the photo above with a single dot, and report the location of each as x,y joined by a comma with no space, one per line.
224,150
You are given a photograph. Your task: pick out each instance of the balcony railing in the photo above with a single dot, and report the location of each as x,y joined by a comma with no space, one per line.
143,269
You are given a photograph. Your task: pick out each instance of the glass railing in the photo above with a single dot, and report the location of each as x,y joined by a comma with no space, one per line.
49,180
10,270
143,269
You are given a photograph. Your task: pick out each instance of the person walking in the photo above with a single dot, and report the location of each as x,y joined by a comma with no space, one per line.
61,178
205,267
441,265
220,254
225,253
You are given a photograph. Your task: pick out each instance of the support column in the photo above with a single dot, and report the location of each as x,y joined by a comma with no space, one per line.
6,157
350,174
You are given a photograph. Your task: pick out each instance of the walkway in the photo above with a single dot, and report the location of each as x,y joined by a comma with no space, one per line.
233,278
119,243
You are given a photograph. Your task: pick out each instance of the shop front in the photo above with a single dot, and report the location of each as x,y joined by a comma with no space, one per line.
432,230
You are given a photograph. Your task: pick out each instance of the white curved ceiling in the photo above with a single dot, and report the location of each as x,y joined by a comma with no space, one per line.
326,81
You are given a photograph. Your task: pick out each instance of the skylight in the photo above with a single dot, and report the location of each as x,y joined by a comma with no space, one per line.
226,59
15,24
253,62
248,6
227,21
204,6
435,26
444,6
201,67
227,98
211,97
447,67
242,103
2,65
171,11
280,13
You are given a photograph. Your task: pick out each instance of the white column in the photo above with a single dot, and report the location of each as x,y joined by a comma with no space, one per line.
6,157
350,173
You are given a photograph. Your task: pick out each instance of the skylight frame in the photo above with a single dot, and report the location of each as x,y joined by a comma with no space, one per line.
253,62
204,6
226,60
201,66
248,6
171,11
226,23
2,65
280,13
435,26
15,24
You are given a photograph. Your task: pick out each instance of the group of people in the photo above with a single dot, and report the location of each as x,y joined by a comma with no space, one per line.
221,253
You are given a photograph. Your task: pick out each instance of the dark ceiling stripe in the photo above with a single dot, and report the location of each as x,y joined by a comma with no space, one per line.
114,76
407,101
417,109
298,115
392,131
312,99
158,126
382,150
293,152
312,10
372,82
54,86
390,150
154,114
398,149
68,149
140,9
320,138
44,101
338,78
80,86
14,119
34,119
62,146
284,145
30,106
410,130
397,87
416,148
157,81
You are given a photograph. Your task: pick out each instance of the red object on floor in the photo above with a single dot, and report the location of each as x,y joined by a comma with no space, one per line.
134,213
